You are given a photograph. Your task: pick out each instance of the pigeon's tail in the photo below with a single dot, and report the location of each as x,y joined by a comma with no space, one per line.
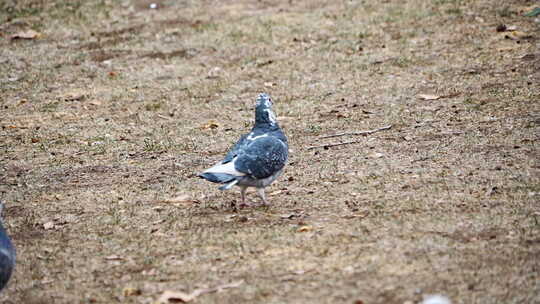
220,178
229,185
223,174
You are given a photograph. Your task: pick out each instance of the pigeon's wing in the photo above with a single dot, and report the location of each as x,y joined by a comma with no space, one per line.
7,257
262,157
233,152
6,268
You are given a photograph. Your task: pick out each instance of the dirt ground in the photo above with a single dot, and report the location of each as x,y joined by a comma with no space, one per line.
108,109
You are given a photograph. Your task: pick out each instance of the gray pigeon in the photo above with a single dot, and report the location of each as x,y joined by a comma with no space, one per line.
257,159
7,254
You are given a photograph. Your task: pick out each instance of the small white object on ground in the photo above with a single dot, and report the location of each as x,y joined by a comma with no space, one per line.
153,5
436,299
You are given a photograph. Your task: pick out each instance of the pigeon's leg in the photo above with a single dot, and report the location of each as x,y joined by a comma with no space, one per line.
243,193
260,191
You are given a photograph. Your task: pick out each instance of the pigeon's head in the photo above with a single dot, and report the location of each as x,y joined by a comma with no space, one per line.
263,110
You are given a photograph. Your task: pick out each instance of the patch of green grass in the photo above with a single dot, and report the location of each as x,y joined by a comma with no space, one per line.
51,106
505,12
454,11
10,11
402,62
153,106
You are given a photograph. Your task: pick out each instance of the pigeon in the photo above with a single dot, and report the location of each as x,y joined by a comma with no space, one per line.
257,159
7,254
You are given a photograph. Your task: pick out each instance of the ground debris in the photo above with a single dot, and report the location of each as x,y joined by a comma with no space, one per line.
29,34
170,296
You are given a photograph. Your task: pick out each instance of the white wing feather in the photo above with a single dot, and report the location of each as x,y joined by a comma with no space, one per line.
227,168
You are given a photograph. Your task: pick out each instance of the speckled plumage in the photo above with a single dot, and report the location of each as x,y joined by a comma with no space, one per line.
258,158
7,254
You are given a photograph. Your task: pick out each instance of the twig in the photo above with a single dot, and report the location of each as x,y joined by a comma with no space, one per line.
164,117
335,144
356,133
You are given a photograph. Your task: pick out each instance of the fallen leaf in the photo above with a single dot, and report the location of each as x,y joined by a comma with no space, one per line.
74,96
30,34
375,155
511,28
275,192
169,296
289,216
48,225
529,57
47,281
151,272
212,124
517,35
429,96
183,198
113,258
305,228
131,291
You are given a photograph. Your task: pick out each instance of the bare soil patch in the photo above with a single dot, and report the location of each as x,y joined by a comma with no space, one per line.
112,107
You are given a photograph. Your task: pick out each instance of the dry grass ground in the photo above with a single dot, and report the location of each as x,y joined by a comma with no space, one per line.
113,108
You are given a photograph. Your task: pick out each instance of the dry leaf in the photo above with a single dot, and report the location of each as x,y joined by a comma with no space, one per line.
212,124
429,97
275,192
305,229
375,155
169,296
289,216
30,34
183,198
131,291
113,258
74,96
511,28
517,35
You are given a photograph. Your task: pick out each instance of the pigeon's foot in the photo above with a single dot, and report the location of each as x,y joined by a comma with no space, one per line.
260,191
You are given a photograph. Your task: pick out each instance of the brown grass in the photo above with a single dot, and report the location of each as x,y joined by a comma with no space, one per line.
103,124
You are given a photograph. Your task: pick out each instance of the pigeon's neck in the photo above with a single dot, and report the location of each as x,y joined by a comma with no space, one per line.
265,116
265,126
